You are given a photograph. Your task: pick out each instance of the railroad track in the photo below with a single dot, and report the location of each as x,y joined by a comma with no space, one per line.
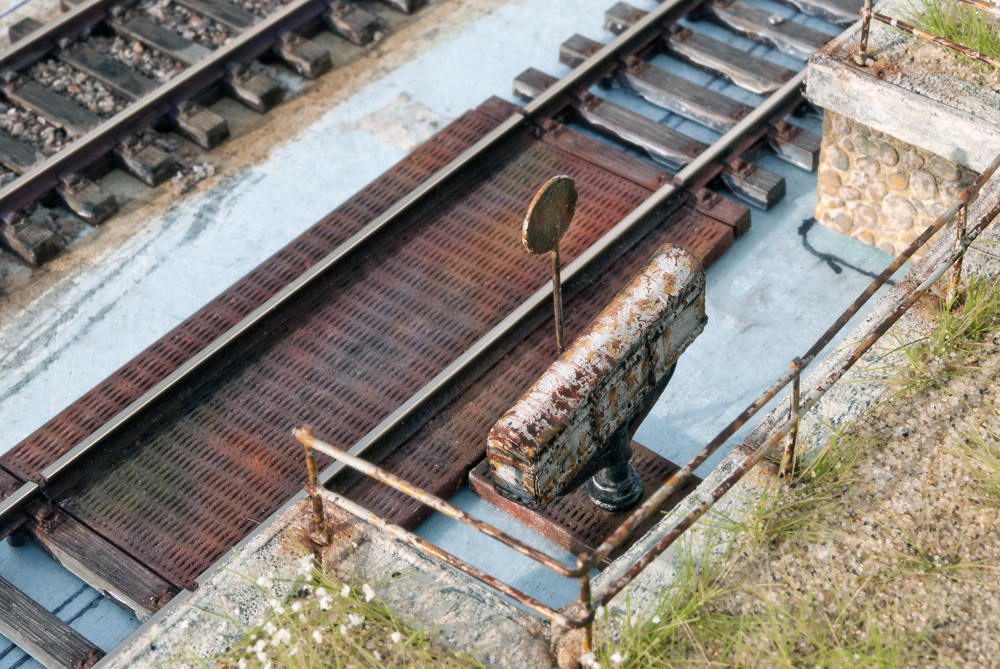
90,89
404,323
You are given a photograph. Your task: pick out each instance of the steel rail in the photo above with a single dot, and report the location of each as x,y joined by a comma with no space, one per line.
144,112
33,46
812,399
50,169
450,376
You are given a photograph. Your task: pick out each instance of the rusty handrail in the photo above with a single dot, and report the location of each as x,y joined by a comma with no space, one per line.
867,15
799,407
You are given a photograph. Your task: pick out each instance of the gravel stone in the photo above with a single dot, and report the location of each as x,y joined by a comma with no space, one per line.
199,29
78,87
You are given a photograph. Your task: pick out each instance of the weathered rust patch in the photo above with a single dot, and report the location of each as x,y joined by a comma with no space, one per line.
597,384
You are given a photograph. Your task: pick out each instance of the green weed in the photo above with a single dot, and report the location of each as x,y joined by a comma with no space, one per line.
960,23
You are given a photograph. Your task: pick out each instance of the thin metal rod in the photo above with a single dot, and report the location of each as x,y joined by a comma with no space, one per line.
985,6
812,399
788,460
956,276
430,549
586,599
310,442
924,35
557,299
321,535
866,20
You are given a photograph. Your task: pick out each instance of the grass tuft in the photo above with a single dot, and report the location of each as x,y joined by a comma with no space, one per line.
960,23
953,348
979,450
334,624
793,510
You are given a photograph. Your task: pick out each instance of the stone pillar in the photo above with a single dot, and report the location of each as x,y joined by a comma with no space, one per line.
878,189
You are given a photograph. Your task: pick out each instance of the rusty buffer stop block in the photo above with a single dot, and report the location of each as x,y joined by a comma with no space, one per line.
597,387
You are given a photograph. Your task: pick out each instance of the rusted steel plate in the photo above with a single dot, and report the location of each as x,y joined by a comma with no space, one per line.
573,521
87,414
341,358
440,455
598,384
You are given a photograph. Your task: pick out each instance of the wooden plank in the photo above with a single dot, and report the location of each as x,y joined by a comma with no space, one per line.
743,69
302,55
146,163
607,157
723,210
143,29
842,13
29,242
663,89
115,75
15,155
22,29
256,91
701,105
86,199
753,184
795,145
56,109
405,6
755,24
221,11
351,22
101,565
204,127
664,145
42,635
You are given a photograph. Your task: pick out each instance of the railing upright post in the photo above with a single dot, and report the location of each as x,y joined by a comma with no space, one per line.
321,534
866,21
956,277
788,460
587,600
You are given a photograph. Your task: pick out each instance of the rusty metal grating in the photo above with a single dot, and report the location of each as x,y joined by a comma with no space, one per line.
100,404
439,456
364,345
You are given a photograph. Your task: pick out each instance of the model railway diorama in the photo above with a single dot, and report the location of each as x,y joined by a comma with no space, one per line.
409,323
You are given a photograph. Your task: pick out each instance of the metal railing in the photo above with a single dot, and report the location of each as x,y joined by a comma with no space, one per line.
799,406
867,15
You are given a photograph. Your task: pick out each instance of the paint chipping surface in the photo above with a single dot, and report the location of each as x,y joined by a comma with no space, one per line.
596,385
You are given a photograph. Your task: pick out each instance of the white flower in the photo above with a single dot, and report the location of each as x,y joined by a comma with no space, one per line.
355,619
326,603
273,603
343,630
296,607
395,636
302,617
378,656
265,582
259,646
656,620
282,636
305,565
242,664
293,650
369,592
599,613
253,637
267,665
321,592
317,637
345,591
618,658
589,660
270,629
262,656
